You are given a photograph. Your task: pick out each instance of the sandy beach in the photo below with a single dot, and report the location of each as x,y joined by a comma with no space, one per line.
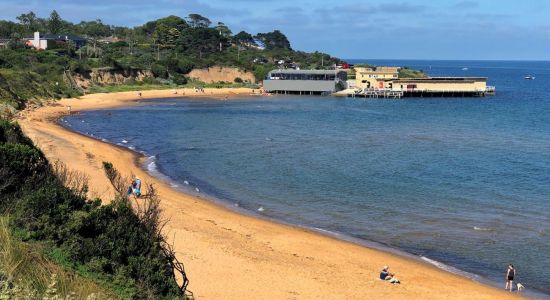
228,255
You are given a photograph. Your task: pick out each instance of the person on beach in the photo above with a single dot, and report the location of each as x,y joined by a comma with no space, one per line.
386,275
131,188
510,274
135,187
68,109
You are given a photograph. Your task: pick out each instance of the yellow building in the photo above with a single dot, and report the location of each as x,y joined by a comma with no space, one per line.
375,77
441,84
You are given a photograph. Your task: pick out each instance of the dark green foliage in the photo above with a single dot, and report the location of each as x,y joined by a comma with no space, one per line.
108,239
21,167
111,240
45,209
409,73
273,40
21,164
11,133
179,79
159,70
170,47
244,38
198,21
55,23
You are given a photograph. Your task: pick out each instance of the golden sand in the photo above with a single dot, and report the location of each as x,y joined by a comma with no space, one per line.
228,255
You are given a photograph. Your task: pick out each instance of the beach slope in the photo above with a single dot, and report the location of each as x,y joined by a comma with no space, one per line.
228,255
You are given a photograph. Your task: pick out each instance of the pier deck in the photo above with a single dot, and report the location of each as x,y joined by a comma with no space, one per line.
398,94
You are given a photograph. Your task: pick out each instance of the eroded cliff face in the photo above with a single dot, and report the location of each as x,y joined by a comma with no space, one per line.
111,77
217,74
114,77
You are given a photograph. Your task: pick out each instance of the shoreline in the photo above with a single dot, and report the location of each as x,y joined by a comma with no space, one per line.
142,158
256,257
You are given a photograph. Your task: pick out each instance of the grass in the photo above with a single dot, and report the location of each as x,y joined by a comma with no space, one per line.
25,271
118,286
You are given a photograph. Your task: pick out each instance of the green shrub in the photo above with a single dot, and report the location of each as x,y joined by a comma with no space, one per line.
185,66
179,79
159,70
11,133
122,248
238,80
46,209
21,167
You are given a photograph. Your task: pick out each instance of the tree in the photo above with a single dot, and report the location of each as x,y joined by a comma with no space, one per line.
173,22
165,36
273,40
225,33
95,30
7,29
55,23
201,40
244,38
30,22
198,21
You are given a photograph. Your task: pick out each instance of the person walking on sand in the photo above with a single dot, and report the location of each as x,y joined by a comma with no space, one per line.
510,274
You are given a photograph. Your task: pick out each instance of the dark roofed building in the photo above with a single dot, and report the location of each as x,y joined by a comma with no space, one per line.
41,41
305,81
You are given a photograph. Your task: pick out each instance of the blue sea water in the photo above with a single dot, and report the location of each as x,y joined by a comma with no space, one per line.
462,181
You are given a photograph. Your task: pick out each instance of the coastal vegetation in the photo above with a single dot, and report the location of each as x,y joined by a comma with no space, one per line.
406,72
169,48
116,247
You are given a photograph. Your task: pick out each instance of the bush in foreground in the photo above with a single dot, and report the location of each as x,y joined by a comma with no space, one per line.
115,243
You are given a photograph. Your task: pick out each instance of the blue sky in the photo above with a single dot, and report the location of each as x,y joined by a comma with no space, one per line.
406,29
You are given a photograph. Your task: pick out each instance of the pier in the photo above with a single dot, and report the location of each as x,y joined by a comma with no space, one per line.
397,94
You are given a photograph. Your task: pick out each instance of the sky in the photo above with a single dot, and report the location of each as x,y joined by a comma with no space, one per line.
399,29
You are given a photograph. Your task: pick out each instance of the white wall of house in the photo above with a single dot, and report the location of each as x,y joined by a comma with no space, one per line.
39,43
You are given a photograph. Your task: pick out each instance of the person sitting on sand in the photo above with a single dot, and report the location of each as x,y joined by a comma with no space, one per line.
135,187
131,188
386,275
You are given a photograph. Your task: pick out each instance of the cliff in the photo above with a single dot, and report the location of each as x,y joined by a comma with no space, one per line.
110,77
218,74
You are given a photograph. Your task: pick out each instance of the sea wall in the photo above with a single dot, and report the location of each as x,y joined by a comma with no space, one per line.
218,74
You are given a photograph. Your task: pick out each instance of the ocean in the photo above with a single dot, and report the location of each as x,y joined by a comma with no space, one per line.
464,182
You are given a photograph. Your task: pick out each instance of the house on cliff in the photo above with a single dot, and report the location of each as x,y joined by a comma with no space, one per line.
45,41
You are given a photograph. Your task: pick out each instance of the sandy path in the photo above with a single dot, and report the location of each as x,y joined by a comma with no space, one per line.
232,256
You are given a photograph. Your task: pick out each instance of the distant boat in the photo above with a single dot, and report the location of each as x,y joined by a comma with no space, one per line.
465,69
530,77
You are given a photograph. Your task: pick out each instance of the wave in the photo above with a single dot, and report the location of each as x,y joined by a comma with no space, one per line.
483,228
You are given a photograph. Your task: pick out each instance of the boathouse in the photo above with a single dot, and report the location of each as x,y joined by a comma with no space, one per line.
442,86
305,82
